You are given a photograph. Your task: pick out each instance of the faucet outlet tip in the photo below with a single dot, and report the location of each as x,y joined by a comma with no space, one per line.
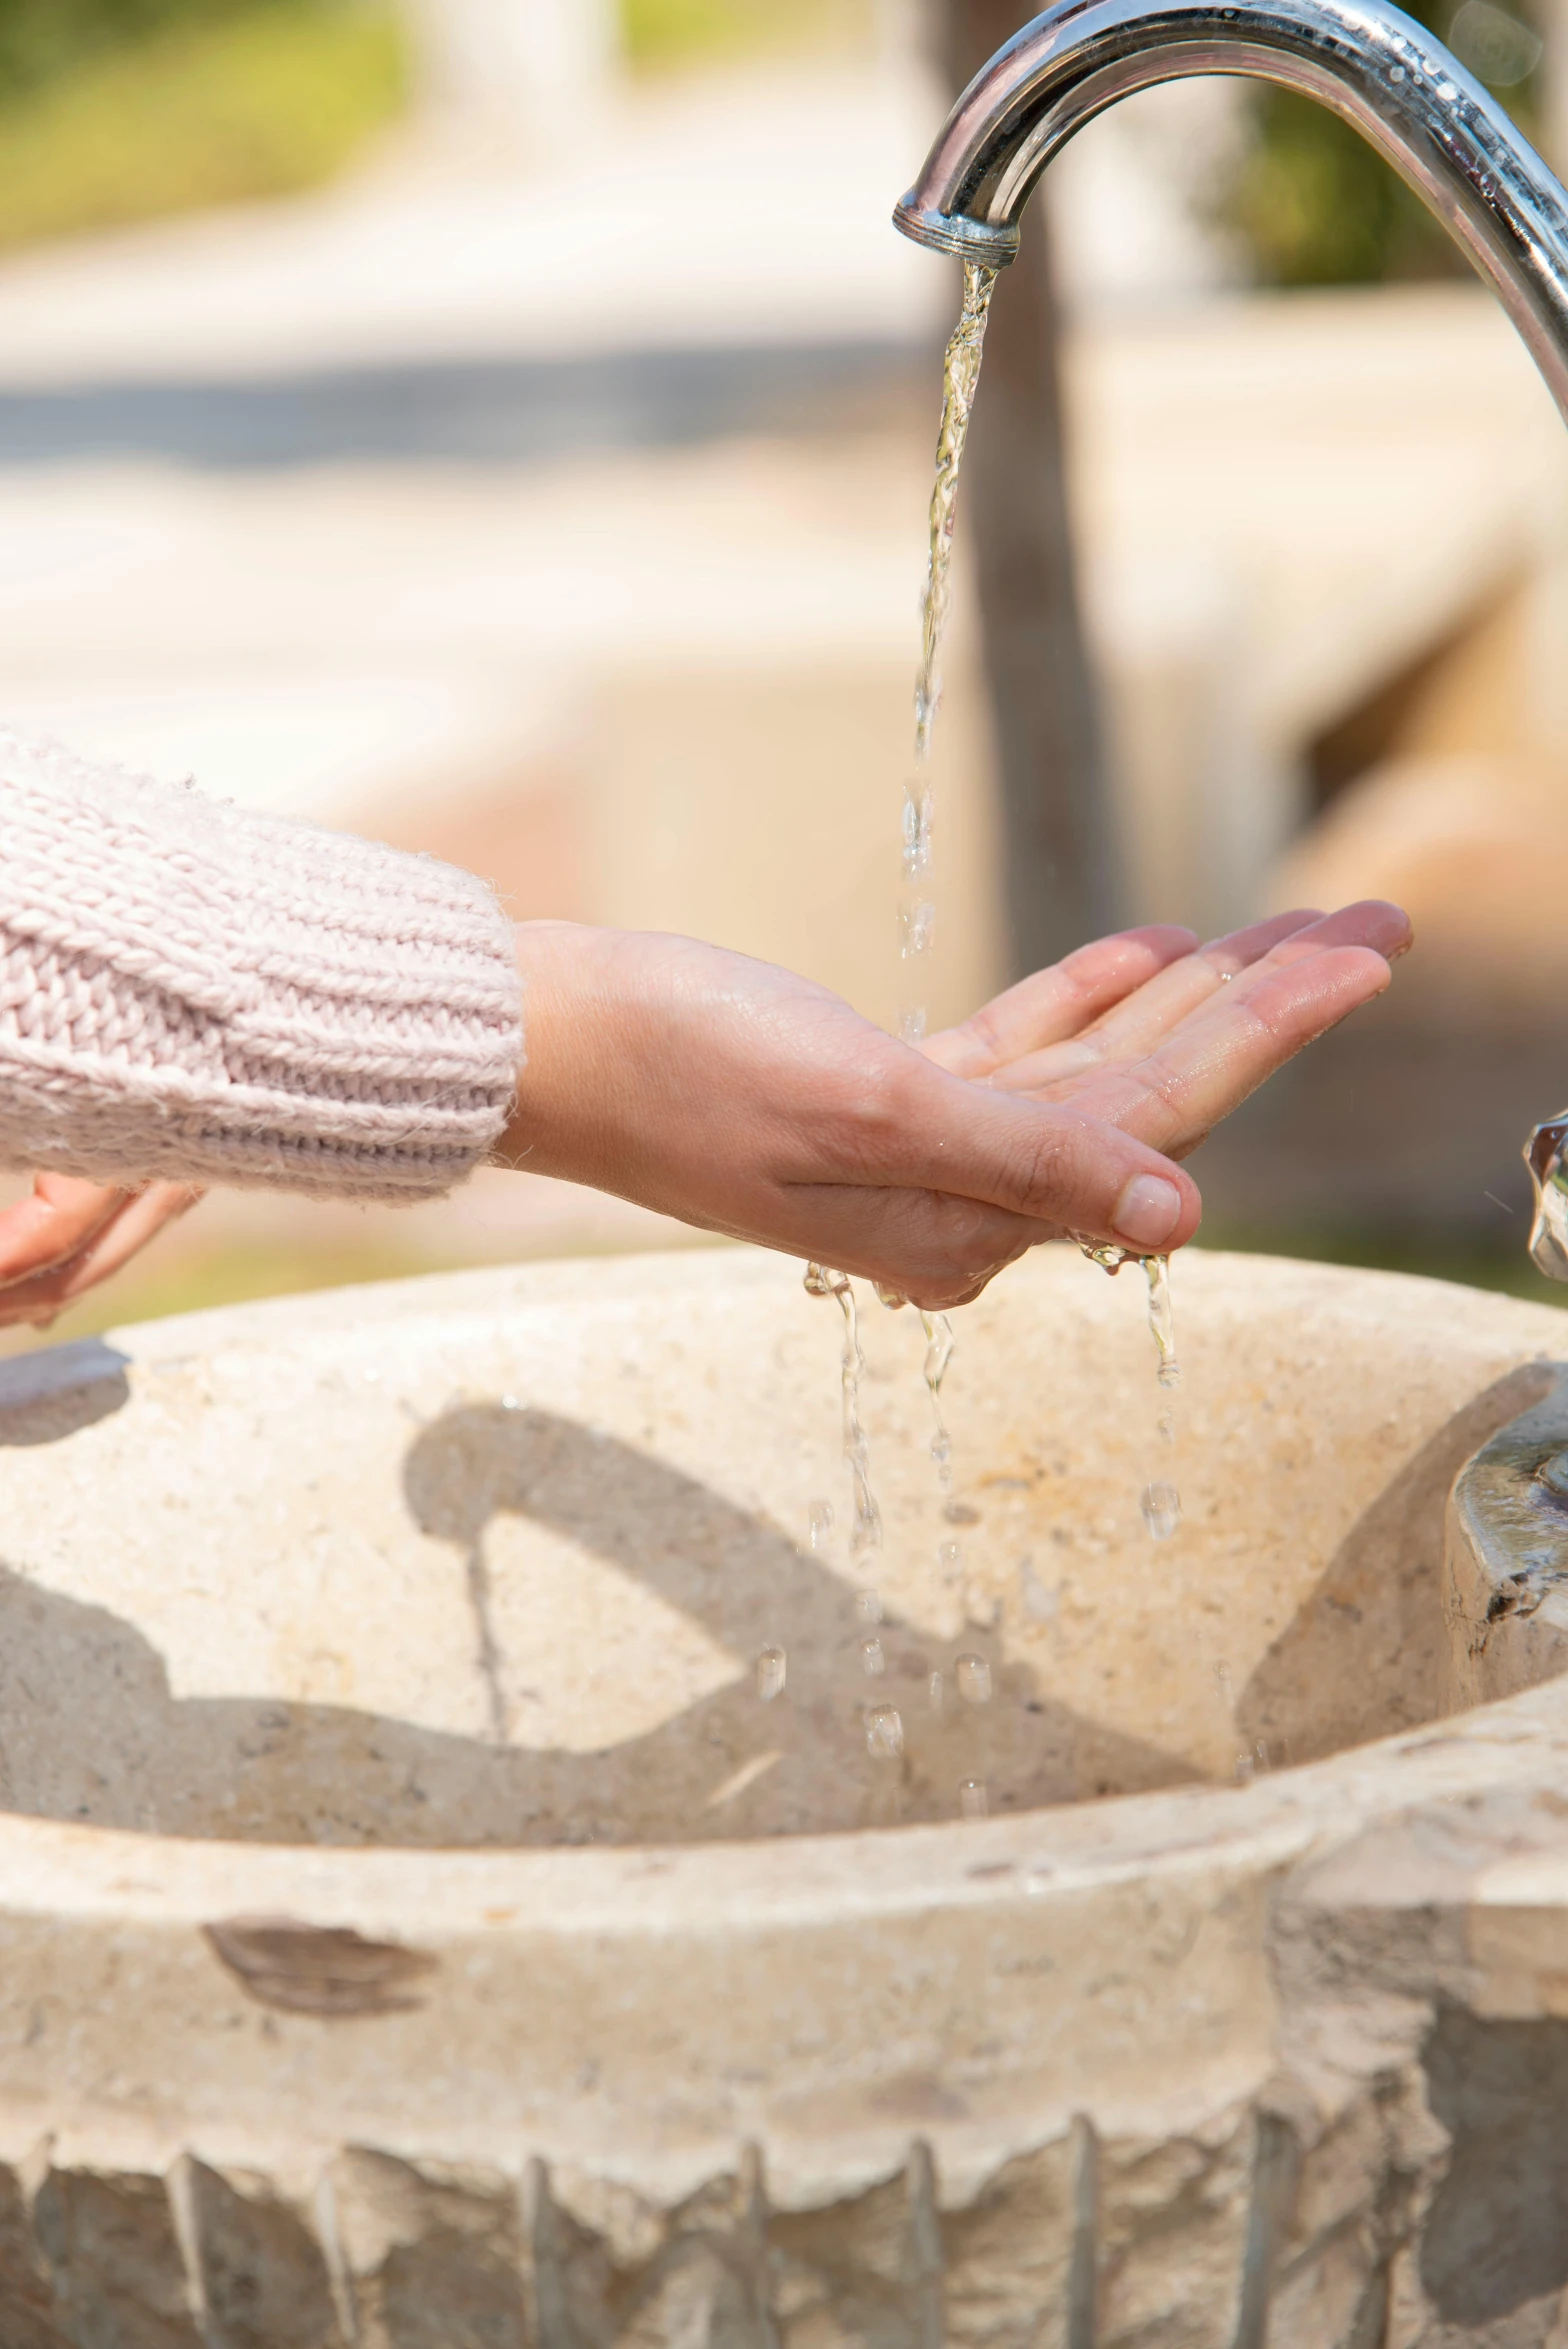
950,232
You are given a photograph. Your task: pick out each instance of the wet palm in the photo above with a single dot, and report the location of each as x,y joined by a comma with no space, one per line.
1162,1037
747,1100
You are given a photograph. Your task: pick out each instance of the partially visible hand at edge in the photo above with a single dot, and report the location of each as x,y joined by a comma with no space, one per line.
68,1235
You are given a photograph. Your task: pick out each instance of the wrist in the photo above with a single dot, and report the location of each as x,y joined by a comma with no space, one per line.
559,965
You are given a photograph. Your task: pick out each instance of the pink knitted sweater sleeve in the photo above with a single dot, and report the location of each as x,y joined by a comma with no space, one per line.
193,992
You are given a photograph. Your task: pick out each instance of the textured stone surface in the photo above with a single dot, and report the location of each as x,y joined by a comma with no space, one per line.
110,2239
1010,2255
30,2311
434,2254
350,1614
264,2276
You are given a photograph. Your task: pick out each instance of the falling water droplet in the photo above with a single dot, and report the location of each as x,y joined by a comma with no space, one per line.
940,1342
1039,1604
871,1656
1222,1683
973,1800
973,1677
866,1531
912,1024
1106,1255
950,1558
919,817
938,1355
936,1694
1161,1506
1162,1326
772,1670
917,923
1167,1427
884,1732
868,1605
819,1521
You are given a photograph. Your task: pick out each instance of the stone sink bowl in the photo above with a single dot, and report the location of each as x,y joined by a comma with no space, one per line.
416,1931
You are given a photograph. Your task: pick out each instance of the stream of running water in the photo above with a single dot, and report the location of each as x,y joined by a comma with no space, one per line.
917,918
916,933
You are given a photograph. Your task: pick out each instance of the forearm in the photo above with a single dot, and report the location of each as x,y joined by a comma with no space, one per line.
193,993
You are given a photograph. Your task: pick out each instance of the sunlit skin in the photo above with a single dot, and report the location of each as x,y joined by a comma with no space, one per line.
745,1100
67,1236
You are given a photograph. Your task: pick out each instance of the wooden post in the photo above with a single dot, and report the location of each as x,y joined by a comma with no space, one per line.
1057,836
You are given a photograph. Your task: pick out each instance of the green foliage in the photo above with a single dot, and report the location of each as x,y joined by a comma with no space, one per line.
168,105
672,32
1314,205
42,39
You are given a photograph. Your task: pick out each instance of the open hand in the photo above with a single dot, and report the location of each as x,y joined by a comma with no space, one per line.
68,1235
745,1100
1162,1037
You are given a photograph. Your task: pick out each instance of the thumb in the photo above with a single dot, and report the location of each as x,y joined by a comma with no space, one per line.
1056,1165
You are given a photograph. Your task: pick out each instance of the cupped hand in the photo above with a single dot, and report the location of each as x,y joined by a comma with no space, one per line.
68,1235
748,1101
1162,1037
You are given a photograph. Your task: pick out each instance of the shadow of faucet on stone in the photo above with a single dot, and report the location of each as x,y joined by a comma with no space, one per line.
89,1729
1496,2244
1367,1655
47,1396
750,1587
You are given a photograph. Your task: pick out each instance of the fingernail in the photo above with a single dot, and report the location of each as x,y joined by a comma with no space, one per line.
1149,1211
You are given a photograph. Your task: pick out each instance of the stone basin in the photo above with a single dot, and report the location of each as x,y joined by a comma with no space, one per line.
417,1932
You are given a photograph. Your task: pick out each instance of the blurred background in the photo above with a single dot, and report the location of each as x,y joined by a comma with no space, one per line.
504,427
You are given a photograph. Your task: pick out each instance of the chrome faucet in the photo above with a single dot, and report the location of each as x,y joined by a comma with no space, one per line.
1368,62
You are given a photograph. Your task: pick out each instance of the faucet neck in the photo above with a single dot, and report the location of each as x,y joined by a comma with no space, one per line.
1368,61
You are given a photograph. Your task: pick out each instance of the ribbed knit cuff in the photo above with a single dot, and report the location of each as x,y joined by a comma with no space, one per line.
195,993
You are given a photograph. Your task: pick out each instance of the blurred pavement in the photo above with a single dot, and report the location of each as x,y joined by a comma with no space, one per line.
569,521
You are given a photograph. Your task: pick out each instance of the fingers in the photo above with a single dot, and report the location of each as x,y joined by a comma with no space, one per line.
954,1180
1310,980
1053,1165
1371,922
1136,1025
1225,1051
1052,1004
53,1223
1061,1170
137,1223
935,1249
134,1218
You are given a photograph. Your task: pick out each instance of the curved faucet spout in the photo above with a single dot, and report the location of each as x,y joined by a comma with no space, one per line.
1367,61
